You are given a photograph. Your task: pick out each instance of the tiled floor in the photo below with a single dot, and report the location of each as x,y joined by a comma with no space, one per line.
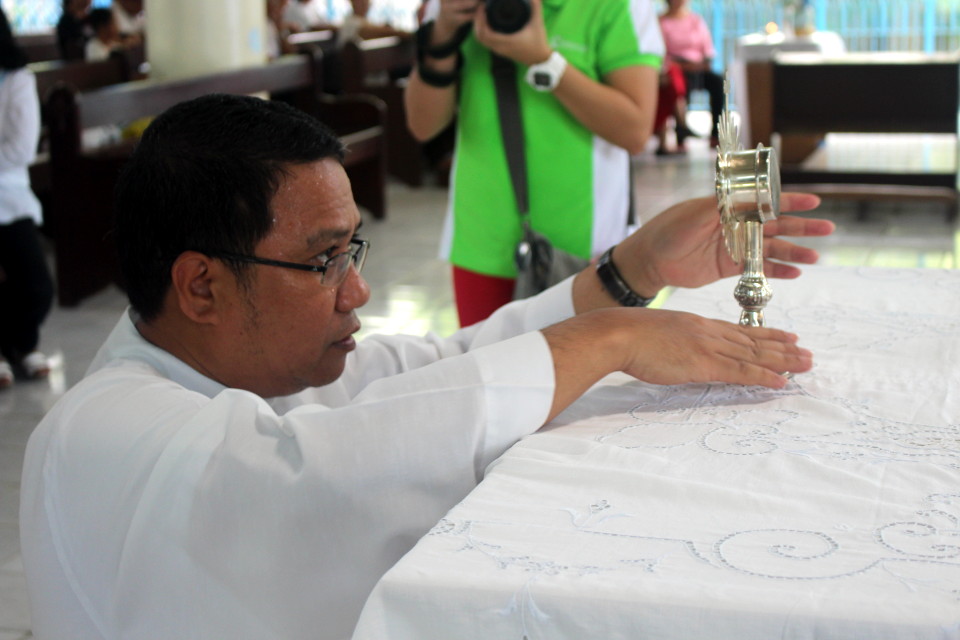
411,293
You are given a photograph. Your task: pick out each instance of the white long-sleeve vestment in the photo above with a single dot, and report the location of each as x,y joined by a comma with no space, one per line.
19,132
158,504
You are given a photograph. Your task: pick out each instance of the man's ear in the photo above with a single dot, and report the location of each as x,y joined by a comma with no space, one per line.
196,286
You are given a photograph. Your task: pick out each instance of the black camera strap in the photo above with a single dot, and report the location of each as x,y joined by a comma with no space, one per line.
511,130
511,127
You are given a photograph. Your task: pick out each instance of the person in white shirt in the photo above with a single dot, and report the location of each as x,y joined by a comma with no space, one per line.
278,30
26,289
130,17
356,27
305,15
235,465
106,36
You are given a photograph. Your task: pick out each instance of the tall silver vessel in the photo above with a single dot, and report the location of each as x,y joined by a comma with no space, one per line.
748,195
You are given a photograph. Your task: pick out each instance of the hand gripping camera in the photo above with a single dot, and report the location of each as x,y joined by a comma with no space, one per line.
507,16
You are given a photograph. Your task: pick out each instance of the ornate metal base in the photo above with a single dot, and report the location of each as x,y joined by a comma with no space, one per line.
752,291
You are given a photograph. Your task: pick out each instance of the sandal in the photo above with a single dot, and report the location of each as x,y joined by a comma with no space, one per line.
36,365
6,374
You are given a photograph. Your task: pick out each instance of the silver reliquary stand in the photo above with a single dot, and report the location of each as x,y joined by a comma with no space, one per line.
748,195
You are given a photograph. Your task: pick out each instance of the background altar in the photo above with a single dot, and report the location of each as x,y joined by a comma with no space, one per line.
828,509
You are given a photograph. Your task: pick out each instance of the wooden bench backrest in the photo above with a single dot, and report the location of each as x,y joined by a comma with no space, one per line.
39,46
866,93
143,98
82,76
359,59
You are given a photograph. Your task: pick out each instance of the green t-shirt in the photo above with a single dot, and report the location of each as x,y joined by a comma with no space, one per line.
577,182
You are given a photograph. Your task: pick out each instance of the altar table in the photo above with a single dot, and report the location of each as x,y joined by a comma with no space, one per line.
828,509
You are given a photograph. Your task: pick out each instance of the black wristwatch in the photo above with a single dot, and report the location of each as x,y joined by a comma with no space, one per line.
615,285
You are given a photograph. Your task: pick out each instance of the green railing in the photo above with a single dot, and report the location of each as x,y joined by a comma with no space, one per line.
864,25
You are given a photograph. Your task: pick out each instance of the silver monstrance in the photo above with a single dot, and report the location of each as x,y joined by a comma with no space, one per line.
748,194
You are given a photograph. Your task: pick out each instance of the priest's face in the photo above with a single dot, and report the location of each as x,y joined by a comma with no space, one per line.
294,328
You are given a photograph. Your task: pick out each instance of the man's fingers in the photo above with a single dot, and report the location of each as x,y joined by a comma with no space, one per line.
786,251
798,227
778,252
797,201
758,356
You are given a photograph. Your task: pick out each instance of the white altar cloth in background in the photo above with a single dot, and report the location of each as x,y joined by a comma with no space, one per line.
829,509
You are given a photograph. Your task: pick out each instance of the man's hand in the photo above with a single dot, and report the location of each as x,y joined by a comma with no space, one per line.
667,347
683,247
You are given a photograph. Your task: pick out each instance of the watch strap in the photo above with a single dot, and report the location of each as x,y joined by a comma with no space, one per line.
615,285
545,76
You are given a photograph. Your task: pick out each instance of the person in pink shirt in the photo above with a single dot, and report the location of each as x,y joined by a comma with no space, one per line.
688,43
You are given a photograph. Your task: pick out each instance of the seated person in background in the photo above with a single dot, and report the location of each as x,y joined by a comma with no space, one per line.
689,44
278,30
130,19
106,35
671,101
235,465
356,26
72,29
304,15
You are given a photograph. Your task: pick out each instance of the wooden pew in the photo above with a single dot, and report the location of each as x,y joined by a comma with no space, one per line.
903,93
324,43
39,46
366,67
84,180
82,76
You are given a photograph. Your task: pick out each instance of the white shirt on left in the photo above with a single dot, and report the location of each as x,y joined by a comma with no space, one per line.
19,136
158,504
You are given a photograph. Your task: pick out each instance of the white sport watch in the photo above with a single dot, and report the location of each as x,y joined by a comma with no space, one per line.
545,76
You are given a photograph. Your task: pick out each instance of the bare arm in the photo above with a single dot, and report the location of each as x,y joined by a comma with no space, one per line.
621,110
430,109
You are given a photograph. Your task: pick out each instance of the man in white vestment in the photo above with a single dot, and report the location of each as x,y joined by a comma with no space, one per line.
234,465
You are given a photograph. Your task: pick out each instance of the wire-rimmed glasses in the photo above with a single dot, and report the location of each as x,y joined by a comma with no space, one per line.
333,271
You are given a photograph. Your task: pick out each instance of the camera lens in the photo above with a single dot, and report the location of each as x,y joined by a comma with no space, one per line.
508,16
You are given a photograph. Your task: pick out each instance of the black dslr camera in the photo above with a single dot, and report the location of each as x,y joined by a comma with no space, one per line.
507,16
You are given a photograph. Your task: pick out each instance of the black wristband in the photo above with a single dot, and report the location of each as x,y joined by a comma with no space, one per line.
438,78
615,285
445,50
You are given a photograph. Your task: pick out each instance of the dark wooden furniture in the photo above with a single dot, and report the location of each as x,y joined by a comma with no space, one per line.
322,42
82,202
39,46
901,93
378,67
82,76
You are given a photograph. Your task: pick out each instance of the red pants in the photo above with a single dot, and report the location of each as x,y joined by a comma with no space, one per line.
673,86
478,295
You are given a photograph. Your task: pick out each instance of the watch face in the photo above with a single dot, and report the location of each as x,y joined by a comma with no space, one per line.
541,79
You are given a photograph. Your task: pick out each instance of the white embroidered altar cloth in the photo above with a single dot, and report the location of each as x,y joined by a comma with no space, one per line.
829,509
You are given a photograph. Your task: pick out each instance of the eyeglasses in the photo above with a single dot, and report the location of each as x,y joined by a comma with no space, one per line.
334,270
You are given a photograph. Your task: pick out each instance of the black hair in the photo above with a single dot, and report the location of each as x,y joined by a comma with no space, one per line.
98,18
11,55
202,178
